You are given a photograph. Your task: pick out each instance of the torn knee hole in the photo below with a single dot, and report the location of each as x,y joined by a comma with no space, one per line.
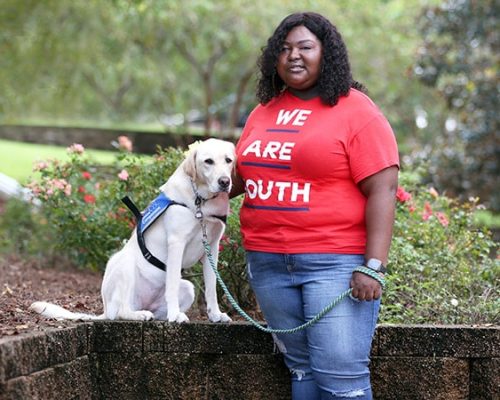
351,394
299,372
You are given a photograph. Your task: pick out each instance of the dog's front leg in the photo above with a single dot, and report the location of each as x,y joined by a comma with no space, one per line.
214,313
173,279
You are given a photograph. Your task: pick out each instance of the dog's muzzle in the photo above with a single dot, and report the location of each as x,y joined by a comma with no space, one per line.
224,183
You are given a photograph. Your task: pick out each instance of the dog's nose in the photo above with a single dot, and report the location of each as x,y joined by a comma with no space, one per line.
224,182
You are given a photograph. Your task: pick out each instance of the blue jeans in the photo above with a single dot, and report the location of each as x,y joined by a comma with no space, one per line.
328,360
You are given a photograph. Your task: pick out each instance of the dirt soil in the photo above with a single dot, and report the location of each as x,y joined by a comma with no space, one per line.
22,283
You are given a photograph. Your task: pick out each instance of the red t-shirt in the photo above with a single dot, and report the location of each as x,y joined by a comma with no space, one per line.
301,162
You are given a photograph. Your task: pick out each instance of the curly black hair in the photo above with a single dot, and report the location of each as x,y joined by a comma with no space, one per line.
335,79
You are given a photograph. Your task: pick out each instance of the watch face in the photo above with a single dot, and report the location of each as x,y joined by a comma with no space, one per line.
375,264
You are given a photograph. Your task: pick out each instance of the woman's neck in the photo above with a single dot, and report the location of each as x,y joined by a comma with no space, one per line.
305,94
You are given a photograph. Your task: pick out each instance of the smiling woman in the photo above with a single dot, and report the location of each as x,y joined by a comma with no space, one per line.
17,158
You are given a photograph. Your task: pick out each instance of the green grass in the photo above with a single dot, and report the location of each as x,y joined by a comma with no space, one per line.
488,219
152,127
17,158
76,123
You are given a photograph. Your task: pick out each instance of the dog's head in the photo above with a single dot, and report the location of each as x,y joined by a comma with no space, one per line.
211,163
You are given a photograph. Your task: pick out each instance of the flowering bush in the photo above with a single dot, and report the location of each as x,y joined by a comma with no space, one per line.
441,268
82,200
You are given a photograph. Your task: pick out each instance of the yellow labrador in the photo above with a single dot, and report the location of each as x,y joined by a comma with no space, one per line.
135,289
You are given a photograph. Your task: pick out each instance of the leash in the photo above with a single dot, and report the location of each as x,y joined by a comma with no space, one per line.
234,303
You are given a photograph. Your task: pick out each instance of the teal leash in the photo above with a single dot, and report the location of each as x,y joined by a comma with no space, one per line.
337,300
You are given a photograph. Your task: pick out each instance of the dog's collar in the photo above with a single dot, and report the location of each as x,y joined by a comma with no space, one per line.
200,200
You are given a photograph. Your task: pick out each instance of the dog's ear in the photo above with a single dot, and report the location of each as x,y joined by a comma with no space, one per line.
189,164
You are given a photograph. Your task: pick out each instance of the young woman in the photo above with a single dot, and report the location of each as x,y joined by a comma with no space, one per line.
318,163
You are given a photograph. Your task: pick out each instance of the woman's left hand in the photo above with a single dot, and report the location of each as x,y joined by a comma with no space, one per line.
365,287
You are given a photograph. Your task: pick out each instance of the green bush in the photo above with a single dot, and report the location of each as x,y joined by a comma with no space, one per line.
19,225
82,200
441,267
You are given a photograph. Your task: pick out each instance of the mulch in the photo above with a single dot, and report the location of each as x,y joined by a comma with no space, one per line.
23,282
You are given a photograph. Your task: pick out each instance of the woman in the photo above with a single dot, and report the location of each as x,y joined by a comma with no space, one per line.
318,163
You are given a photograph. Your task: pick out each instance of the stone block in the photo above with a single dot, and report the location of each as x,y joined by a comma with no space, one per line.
438,341
234,338
117,336
176,375
248,376
71,380
119,372
485,379
420,378
153,334
64,345
16,389
22,355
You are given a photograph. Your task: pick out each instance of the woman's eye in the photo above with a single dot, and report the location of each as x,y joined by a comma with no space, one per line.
209,161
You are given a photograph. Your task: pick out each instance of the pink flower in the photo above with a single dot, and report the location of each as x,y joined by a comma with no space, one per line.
86,175
89,199
402,195
125,143
59,184
67,190
40,166
443,220
427,211
35,188
76,148
81,189
123,175
433,192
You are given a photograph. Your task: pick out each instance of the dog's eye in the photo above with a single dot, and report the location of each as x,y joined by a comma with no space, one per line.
228,160
209,161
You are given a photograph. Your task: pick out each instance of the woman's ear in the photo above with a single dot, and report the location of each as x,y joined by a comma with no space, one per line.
189,164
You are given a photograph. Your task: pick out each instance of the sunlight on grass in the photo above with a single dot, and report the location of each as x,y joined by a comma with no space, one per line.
17,158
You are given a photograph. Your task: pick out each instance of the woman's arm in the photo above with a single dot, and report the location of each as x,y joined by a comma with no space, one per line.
380,191
238,186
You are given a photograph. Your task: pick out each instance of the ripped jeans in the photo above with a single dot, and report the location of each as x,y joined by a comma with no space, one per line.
328,360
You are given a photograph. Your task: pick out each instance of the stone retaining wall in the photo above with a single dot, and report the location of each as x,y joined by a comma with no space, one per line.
95,138
157,360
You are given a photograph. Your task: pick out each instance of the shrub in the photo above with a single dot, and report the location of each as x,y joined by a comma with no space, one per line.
82,200
440,265
19,225
440,270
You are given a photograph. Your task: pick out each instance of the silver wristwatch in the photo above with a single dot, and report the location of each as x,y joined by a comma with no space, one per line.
376,265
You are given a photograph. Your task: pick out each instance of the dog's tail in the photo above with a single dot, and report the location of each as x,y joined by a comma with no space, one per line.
54,311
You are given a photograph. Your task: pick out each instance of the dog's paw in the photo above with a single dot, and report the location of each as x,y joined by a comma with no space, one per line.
179,318
219,317
144,315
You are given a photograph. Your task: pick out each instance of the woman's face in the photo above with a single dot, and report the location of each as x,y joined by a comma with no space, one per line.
299,62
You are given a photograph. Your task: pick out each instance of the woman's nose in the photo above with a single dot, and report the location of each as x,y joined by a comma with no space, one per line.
294,53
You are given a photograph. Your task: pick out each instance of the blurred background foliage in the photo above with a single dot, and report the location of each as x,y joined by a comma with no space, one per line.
176,65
